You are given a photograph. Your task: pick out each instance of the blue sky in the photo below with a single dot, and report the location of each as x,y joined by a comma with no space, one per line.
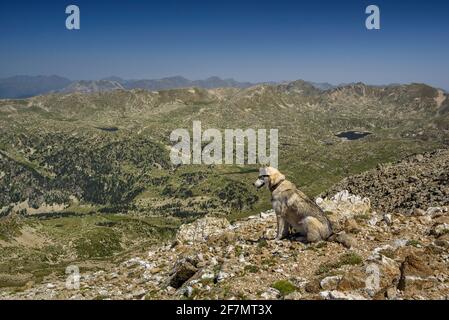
246,40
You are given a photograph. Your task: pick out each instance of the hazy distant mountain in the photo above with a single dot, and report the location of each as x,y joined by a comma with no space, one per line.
322,85
216,82
28,86
181,82
114,78
88,86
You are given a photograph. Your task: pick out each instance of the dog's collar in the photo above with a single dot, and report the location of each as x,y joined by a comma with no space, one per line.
272,188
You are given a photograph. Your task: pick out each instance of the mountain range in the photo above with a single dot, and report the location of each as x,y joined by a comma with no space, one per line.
18,87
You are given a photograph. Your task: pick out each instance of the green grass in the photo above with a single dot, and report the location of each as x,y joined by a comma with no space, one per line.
99,243
350,258
389,253
238,250
9,228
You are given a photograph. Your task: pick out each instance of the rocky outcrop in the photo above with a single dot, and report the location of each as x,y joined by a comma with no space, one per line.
418,182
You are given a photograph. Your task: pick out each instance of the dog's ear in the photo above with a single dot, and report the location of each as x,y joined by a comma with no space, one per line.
276,177
263,171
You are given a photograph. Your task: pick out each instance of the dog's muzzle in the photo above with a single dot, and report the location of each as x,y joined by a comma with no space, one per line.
260,182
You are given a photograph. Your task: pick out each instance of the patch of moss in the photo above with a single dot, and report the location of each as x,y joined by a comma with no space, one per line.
262,243
350,258
238,250
285,287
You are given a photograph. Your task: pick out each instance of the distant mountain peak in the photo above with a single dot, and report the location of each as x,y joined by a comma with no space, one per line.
91,86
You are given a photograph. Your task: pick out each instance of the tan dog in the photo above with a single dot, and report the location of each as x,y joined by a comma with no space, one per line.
294,210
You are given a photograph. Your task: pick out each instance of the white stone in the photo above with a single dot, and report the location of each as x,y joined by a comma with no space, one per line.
398,243
388,219
330,283
338,295
293,296
436,210
188,291
441,229
207,275
271,294
373,221
222,276
267,214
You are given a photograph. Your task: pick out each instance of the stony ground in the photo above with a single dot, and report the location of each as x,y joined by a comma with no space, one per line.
374,256
419,181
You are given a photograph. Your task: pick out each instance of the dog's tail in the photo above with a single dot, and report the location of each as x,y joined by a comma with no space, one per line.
343,238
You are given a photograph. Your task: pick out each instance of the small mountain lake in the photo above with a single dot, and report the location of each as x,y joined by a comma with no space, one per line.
108,129
352,135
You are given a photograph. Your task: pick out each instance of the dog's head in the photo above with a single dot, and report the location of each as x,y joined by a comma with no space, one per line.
268,176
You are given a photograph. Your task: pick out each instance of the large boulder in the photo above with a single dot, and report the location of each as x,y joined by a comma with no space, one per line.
416,274
201,230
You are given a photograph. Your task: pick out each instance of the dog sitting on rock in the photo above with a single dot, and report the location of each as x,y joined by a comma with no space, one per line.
294,210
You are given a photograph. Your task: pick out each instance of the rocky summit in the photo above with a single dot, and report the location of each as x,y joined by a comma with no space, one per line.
373,256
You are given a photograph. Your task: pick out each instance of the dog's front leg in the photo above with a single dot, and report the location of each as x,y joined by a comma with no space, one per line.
283,228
